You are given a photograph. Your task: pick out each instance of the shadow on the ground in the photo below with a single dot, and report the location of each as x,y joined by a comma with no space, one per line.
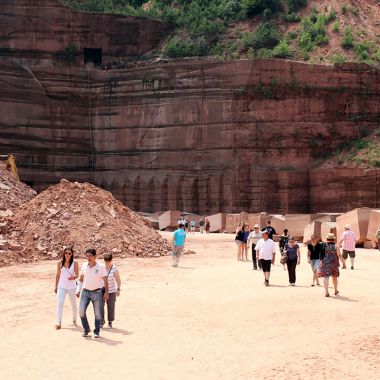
107,341
185,267
277,286
72,328
119,331
342,298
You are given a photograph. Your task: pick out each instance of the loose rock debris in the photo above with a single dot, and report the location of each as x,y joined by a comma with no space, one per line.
81,215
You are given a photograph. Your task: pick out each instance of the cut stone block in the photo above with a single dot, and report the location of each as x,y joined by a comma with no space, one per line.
233,220
358,219
295,223
259,219
313,228
373,225
217,222
327,228
168,219
369,244
278,223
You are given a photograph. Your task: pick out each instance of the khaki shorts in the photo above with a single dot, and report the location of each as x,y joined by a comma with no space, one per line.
177,250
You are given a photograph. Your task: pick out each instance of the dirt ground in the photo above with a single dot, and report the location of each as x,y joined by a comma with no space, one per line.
211,318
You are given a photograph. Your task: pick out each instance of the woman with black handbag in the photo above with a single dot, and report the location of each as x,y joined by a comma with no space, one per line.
114,283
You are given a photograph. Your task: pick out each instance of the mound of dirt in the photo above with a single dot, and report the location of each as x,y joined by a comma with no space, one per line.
82,215
13,193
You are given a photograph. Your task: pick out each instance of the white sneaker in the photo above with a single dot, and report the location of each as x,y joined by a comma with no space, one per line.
96,335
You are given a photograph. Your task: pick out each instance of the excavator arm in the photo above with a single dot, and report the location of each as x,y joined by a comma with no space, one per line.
11,164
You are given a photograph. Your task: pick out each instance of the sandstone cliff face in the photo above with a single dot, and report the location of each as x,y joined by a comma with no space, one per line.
42,29
197,136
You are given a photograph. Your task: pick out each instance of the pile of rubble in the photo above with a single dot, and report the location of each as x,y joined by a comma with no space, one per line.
82,215
13,192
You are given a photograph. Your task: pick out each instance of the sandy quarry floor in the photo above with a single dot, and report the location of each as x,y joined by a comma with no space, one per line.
212,318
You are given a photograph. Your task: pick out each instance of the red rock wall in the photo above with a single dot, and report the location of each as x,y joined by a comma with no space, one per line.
197,136
35,29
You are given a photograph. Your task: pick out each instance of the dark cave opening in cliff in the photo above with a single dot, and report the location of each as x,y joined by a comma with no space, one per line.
92,56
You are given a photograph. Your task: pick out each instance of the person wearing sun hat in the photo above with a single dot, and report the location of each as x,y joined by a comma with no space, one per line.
254,236
329,264
347,242
266,254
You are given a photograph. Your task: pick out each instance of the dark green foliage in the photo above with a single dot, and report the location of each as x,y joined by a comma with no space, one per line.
178,47
296,5
264,53
363,51
314,31
292,17
266,36
348,39
70,53
256,7
331,16
282,50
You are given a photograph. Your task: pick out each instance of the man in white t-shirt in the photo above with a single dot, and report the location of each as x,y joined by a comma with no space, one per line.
266,253
93,277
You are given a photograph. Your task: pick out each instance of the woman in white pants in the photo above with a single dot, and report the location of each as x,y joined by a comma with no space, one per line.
67,273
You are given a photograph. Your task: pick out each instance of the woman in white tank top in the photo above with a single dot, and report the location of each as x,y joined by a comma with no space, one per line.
65,283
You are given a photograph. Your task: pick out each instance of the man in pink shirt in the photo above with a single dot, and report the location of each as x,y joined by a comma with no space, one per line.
347,242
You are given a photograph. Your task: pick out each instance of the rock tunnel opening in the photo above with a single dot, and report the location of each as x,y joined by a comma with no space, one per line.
92,56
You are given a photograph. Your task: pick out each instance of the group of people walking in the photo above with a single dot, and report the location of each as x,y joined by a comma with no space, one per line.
323,257
94,283
190,226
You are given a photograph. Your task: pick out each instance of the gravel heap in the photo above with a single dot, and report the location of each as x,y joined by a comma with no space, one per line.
82,215
13,193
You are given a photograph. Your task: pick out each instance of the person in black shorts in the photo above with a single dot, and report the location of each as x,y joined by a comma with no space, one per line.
270,229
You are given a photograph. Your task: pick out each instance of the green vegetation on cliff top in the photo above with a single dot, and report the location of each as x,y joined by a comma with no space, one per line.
314,31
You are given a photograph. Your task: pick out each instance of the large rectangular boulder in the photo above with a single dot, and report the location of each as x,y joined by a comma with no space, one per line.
358,219
217,222
168,219
327,228
295,223
278,223
233,220
259,219
313,228
373,225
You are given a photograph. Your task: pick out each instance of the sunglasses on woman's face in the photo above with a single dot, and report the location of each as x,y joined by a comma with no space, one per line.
68,253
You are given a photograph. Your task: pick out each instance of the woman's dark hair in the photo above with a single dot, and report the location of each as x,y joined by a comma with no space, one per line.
108,257
286,231
69,248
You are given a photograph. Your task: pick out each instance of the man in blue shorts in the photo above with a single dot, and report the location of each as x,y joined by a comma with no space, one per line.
179,238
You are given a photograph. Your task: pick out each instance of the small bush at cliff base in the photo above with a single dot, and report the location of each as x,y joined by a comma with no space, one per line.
178,48
282,50
362,50
266,36
348,39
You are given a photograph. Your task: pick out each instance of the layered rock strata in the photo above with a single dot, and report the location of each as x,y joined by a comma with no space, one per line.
46,30
199,136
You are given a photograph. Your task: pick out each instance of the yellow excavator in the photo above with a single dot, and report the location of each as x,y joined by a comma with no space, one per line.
11,164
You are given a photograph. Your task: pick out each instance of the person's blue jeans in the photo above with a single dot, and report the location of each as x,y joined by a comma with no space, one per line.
94,296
